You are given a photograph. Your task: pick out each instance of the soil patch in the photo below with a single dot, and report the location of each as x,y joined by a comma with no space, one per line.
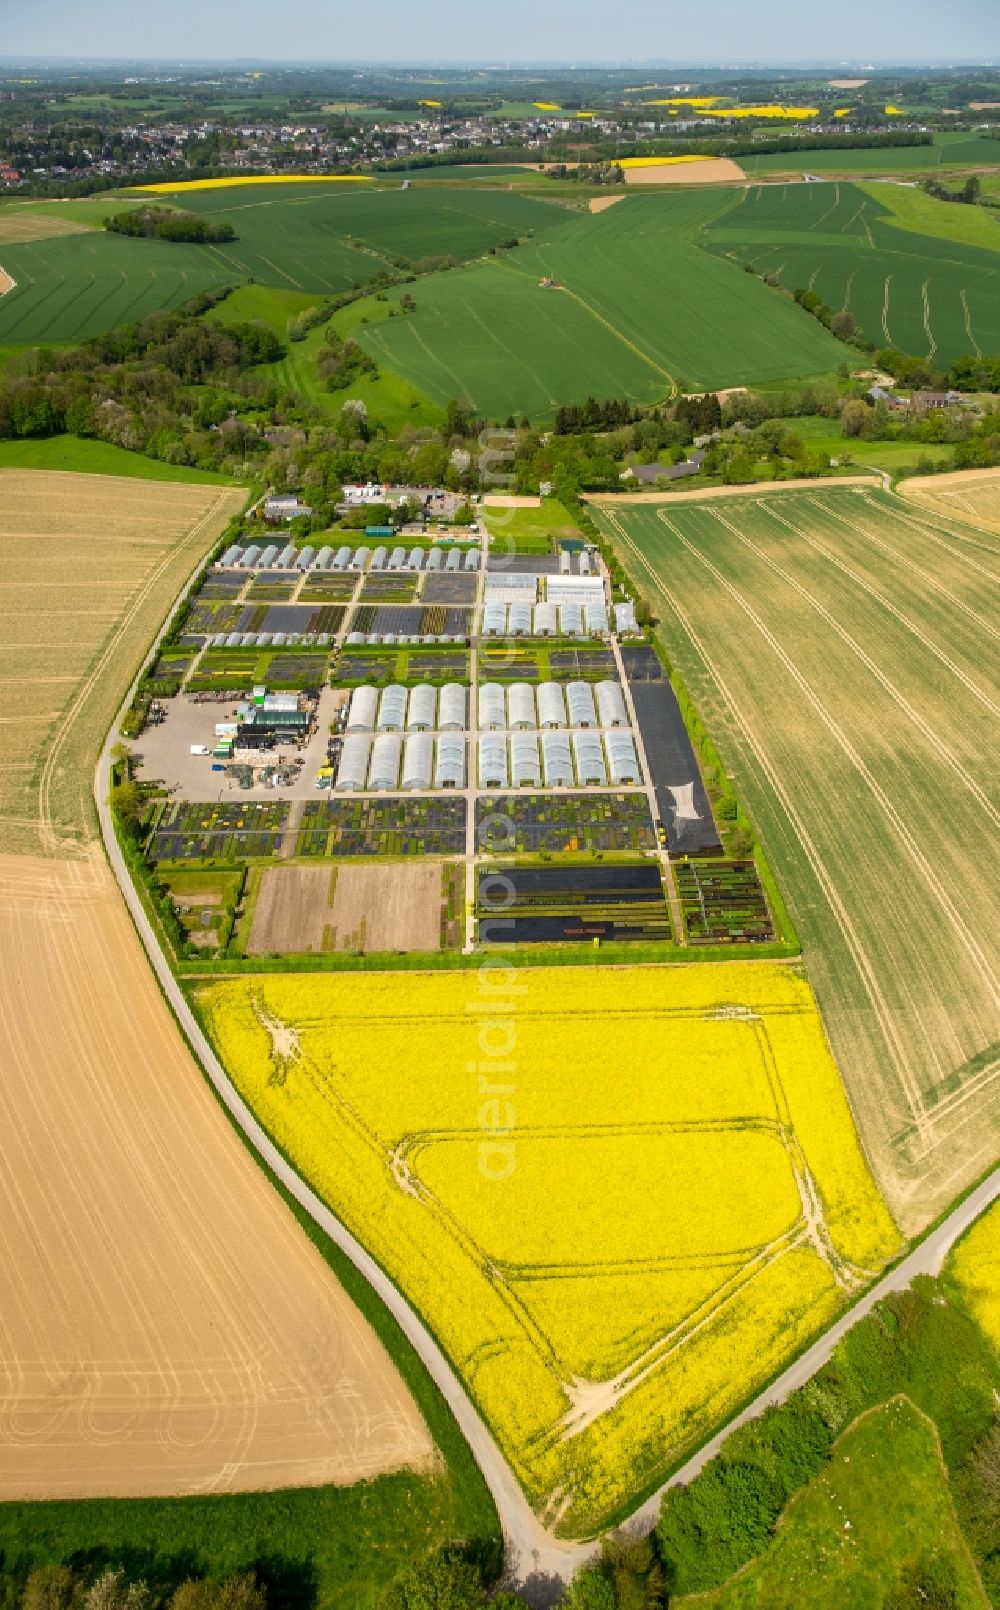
716,170
17,226
762,489
293,911
6,283
602,203
388,907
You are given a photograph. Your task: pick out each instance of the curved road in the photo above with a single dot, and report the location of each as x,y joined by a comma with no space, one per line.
532,1552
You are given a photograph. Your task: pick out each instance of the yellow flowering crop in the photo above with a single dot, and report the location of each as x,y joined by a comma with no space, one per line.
659,162
268,178
975,1264
547,106
797,113
685,100
894,111
621,1199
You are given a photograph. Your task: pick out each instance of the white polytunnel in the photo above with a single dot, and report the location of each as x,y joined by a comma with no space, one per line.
452,708
551,705
392,708
589,755
449,769
611,705
383,770
525,771
418,761
491,707
422,710
353,770
580,702
492,761
623,763
364,706
557,760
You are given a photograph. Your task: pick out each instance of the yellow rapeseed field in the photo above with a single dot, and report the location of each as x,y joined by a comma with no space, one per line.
621,1199
798,113
244,178
659,162
975,1264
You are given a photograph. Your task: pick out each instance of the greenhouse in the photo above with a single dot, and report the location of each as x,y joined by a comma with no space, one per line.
623,764
449,769
286,558
453,560
494,619
418,759
571,620
341,558
557,760
416,559
521,705
361,715
589,756
353,769
625,620
551,705
611,705
435,559
451,712
472,559
397,558
519,620
492,762
249,557
491,707
383,770
305,559
392,708
322,559
361,558
597,620
580,703
422,709
546,624
268,557
379,557
525,772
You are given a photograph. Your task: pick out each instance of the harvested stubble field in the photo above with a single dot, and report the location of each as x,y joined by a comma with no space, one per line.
967,499
841,646
616,1241
90,568
167,1328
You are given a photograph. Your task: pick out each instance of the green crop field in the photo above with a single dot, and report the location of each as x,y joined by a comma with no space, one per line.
86,457
956,150
841,646
639,305
317,239
926,294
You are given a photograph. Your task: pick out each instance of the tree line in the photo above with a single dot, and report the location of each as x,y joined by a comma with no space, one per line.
169,223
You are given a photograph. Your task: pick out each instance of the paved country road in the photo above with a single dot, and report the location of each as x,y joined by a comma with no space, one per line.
534,1556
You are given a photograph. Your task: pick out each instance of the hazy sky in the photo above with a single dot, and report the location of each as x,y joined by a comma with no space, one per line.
720,31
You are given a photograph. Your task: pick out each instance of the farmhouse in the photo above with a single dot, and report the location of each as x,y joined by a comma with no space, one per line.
284,507
649,474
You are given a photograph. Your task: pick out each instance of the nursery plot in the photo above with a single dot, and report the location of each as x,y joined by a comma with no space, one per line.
662,1200
841,646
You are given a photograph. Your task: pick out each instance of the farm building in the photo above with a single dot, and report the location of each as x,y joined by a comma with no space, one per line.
611,705
418,760
364,705
305,559
521,706
353,769
492,761
519,620
589,756
451,712
545,622
623,764
491,707
494,619
422,709
557,760
525,771
383,768
284,508
551,705
580,703
392,709
449,767
571,620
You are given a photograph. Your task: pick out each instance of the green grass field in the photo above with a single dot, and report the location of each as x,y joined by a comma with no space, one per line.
316,239
843,1543
927,294
897,457
86,457
530,530
639,305
838,645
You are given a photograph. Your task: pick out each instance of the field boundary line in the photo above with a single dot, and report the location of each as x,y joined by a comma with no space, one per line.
921,524
7,281
925,292
885,310
841,915
618,500
957,922
968,322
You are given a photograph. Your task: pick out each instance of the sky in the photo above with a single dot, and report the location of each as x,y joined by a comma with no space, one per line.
565,31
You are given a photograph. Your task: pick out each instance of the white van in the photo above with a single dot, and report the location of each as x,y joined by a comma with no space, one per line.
200,749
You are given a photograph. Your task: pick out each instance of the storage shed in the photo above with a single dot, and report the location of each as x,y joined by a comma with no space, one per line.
422,710
383,768
589,757
521,706
492,761
392,709
449,768
611,705
491,707
623,763
364,705
452,708
418,761
525,771
580,703
353,769
557,760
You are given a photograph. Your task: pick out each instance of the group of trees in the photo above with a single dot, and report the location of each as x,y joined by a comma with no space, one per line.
65,1587
594,415
169,223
